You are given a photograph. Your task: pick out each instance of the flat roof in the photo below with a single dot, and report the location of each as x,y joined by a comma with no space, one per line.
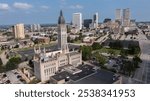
61,76
30,52
88,76
74,53
100,77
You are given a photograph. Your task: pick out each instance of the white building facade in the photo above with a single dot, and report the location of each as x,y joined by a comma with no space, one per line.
19,32
77,21
35,27
95,20
126,17
48,63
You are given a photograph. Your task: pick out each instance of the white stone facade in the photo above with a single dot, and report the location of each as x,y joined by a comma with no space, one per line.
48,63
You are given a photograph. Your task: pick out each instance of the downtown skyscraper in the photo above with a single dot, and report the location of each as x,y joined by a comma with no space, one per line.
126,17
19,31
118,15
95,20
77,21
123,16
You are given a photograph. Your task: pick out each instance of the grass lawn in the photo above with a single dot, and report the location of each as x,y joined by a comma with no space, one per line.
106,50
41,45
77,42
1,52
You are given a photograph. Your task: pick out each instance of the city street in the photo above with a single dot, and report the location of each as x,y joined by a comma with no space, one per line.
103,38
143,73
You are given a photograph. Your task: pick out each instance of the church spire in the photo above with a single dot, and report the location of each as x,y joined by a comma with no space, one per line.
61,19
61,13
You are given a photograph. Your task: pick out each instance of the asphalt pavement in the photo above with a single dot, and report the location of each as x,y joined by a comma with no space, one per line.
143,73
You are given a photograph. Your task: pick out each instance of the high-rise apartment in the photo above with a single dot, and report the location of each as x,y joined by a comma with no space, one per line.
118,14
126,17
19,31
35,27
95,20
87,23
77,21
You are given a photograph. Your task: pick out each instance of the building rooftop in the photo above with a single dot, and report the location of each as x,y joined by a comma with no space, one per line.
88,76
61,76
100,77
30,52
74,53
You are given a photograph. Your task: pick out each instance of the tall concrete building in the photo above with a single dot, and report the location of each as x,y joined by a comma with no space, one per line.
77,21
35,27
95,20
118,14
87,23
126,17
19,32
48,62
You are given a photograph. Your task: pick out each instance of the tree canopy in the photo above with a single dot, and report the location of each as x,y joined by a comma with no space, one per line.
12,63
96,46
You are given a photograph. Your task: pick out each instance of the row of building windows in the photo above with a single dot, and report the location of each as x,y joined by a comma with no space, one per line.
63,60
76,58
62,64
49,71
49,65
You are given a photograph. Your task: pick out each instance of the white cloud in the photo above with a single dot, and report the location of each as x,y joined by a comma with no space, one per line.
23,6
4,7
76,6
44,7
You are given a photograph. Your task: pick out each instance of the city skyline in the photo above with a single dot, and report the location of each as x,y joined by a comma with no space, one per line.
31,11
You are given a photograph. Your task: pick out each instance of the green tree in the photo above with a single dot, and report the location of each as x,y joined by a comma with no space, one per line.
80,36
129,68
136,58
25,42
1,63
16,46
136,61
36,41
96,46
100,58
51,37
86,52
111,52
68,39
12,63
133,50
124,52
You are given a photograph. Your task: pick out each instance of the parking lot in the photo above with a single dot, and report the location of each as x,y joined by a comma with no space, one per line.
11,77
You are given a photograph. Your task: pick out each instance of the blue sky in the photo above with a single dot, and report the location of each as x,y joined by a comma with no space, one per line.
47,11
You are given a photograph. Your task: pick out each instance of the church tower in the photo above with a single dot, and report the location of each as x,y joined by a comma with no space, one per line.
62,33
